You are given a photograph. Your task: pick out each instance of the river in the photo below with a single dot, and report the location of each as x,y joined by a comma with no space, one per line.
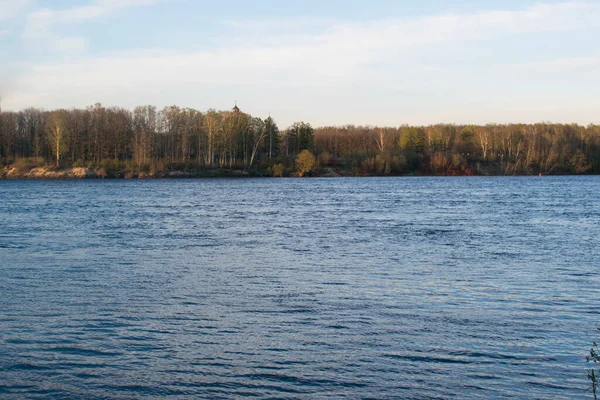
412,288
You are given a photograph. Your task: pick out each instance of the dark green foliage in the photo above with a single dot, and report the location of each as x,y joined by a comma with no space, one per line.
300,137
412,139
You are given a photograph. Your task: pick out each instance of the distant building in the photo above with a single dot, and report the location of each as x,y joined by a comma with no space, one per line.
235,108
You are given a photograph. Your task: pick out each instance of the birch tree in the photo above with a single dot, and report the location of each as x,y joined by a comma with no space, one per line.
57,133
258,132
380,139
213,124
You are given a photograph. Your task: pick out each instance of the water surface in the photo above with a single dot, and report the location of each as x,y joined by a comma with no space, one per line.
411,288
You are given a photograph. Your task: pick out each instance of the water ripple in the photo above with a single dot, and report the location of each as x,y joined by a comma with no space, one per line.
414,288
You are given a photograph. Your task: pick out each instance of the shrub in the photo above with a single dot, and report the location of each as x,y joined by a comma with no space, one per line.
27,164
324,158
277,170
305,162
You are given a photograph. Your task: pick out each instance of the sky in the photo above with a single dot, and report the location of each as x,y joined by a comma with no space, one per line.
325,62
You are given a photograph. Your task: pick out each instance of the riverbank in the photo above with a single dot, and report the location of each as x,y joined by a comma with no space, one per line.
47,173
77,173
53,173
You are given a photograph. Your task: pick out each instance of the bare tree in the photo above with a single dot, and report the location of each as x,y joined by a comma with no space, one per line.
258,132
213,123
57,133
144,120
380,139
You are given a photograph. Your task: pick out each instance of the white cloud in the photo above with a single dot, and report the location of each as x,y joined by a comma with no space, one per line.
41,23
342,57
69,44
410,32
97,9
570,64
11,8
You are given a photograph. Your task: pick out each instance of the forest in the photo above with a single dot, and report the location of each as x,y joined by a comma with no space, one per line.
147,142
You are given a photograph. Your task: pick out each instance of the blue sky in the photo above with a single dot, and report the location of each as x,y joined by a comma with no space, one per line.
325,62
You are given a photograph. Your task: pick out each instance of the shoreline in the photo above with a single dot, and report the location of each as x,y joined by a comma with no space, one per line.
79,173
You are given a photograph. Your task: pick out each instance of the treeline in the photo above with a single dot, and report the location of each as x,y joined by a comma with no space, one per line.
142,138
117,140
446,149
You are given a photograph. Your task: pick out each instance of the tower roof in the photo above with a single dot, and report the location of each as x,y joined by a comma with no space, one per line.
235,108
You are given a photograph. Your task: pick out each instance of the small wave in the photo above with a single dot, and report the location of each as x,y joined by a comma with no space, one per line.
428,359
25,367
79,351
